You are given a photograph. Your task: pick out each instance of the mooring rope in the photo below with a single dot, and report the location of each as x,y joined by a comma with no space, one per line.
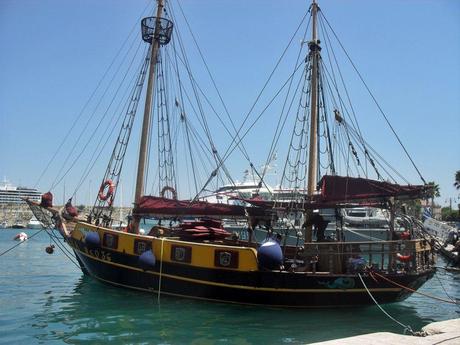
414,291
161,268
406,327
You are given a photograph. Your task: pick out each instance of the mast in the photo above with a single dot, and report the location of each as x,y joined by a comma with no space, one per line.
313,150
154,39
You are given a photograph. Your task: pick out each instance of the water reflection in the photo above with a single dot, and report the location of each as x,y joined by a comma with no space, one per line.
95,312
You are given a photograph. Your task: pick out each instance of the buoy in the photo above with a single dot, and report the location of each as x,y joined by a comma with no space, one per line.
22,236
147,260
92,239
270,255
50,249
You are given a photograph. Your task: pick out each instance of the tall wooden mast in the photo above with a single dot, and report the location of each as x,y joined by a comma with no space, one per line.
312,156
143,151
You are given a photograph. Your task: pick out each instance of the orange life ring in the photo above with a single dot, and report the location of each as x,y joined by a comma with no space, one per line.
109,195
403,258
168,189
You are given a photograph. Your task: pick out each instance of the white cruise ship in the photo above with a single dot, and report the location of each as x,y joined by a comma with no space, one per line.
12,195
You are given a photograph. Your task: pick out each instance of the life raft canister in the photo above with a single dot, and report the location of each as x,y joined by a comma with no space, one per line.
107,196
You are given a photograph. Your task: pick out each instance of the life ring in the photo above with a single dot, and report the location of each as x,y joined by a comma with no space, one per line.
168,189
109,195
403,258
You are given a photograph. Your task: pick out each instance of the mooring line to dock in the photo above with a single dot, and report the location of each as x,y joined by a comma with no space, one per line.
442,286
406,327
415,291
161,268
21,242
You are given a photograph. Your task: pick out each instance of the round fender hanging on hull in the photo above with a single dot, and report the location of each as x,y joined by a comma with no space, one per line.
270,255
147,260
92,239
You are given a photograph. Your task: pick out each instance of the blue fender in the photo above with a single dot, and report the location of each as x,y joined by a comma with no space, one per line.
270,255
92,239
147,260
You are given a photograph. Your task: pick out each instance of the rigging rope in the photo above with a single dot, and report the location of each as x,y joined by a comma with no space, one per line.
66,136
21,242
373,98
64,250
243,149
92,135
121,140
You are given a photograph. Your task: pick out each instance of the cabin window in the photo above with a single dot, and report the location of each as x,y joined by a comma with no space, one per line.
226,258
181,254
110,241
141,246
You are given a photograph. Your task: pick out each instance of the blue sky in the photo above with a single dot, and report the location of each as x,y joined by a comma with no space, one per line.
55,52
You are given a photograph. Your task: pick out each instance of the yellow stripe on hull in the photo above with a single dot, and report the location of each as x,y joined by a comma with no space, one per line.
202,254
251,288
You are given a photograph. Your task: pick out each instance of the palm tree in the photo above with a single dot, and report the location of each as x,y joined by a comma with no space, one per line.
433,192
457,179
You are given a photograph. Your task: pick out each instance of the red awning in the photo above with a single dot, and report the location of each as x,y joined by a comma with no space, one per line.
344,189
340,191
335,191
152,205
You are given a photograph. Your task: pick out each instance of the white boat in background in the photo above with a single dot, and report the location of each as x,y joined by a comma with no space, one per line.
441,231
366,217
18,225
446,236
34,224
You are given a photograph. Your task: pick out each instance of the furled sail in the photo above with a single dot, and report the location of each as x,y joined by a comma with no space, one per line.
344,188
158,206
344,191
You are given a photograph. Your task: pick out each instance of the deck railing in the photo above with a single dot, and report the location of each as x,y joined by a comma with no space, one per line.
352,257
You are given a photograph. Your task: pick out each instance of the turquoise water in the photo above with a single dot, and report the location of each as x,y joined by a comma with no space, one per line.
45,299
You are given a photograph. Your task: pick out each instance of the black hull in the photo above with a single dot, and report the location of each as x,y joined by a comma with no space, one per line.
267,288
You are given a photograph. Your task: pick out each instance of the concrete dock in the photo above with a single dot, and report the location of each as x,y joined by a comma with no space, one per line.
442,332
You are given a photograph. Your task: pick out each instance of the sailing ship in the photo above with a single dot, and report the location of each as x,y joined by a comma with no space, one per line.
188,253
